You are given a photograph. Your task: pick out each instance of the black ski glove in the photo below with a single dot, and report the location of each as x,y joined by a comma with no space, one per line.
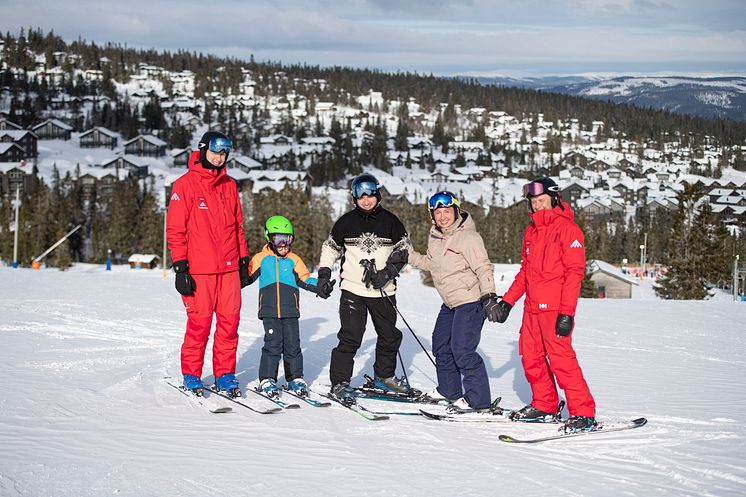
324,283
243,271
490,307
395,263
503,309
380,279
184,282
564,325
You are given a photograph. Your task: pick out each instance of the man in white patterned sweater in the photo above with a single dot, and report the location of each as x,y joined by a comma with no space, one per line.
371,242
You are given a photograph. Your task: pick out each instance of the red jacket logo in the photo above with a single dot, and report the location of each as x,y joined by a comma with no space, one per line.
202,204
576,244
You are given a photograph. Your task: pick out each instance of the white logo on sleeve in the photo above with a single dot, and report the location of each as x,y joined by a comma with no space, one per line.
576,244
542,306
175,196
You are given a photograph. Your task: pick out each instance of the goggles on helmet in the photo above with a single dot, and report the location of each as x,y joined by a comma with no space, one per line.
443,199
369,188
221,144
278,239
536,188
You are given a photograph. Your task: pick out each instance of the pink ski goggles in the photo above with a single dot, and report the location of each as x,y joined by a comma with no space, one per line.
535,188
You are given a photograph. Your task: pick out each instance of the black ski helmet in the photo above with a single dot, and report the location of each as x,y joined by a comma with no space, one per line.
204,145
365,184
540,186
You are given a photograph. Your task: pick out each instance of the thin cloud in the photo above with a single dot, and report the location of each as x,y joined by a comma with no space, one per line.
424,35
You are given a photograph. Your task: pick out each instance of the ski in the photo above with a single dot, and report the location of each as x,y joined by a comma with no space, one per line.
241,403
629,425
307,399
369,391
364,393
492,414
358,409
481,416
278,402
200,400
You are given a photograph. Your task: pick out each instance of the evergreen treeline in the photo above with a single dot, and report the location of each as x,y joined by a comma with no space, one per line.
127,222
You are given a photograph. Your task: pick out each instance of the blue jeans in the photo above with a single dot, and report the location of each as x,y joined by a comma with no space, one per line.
281,339
455,340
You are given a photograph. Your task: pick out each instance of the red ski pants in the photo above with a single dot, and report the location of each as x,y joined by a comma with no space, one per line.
219,294
547,357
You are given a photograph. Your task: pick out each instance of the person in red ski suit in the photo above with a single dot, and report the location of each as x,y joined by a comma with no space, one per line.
551,271
210,257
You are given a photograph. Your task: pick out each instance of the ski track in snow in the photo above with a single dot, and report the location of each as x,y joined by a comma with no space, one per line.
91,414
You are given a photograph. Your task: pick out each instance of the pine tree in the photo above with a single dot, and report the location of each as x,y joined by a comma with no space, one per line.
686,273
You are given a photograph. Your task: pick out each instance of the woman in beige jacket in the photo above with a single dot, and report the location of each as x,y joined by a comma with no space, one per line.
463,276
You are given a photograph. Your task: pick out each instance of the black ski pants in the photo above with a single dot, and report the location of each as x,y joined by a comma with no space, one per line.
353,317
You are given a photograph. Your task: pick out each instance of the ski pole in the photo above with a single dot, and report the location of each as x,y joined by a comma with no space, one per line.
410,328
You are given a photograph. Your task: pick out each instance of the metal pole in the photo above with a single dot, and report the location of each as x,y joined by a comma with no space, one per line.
735,278
644,252
17,227
165,220
38,259
642,248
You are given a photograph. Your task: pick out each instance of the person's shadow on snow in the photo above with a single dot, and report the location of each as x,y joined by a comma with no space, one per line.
520,385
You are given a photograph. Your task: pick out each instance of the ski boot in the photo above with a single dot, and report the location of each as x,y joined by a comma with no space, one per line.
579,423
392,385
269,388
459,406
298,386
343,393
530,414
229,384
433,396
193,384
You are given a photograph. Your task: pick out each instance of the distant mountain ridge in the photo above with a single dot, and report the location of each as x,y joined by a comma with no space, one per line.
723,97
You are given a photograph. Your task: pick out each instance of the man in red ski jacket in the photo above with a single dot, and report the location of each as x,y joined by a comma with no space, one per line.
210,258
551,271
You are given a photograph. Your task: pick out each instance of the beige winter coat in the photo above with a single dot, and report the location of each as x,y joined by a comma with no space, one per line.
458,261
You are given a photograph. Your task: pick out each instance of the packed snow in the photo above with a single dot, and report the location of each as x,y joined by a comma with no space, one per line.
87,411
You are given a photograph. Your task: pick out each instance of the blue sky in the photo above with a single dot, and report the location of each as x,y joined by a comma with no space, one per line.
484,37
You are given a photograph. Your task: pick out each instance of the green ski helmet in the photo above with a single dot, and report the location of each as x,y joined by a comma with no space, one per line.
278,230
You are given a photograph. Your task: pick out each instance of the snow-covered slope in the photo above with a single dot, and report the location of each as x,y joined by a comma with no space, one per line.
86,410
723,96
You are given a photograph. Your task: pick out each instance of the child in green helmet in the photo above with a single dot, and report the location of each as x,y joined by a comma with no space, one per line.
280,273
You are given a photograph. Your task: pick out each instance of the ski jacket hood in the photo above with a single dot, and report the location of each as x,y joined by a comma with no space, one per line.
458,261
553,263
205,220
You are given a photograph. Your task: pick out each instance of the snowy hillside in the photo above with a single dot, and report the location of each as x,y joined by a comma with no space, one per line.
86,410
723,96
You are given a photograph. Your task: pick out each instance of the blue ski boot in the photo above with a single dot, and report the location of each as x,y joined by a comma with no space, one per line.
228,383
298,386
392,384
194,384
343,393
269,388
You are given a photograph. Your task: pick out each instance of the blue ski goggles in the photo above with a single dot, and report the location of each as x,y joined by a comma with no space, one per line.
364,188
219,145
443,199
280,239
